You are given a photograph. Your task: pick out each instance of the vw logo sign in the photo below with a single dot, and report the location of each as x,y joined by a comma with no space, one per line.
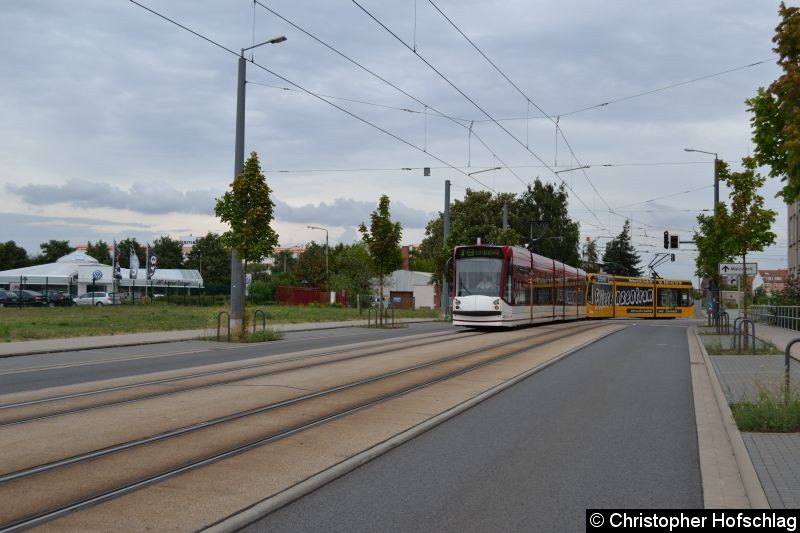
97,275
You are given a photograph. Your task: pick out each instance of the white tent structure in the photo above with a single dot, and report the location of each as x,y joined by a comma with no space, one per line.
78,273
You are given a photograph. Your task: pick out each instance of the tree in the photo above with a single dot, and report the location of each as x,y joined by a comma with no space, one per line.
620,257
310,269
590,256
350,268
248,209
284,261
713,245
210,257
776,109
53,250
169,252
99,251
541,216
12,256
383,242
748,224
124,247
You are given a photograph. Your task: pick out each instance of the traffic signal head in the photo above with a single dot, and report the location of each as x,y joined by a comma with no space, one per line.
673,242
666,239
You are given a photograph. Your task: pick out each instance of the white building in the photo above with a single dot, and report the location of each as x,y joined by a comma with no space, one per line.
75,272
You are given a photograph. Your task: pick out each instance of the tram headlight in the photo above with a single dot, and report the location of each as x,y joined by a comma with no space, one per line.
456,303
496,304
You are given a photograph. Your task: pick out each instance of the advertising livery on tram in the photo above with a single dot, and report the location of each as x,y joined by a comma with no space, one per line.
507,286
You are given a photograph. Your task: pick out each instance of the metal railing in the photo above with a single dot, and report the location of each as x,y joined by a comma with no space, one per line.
782,316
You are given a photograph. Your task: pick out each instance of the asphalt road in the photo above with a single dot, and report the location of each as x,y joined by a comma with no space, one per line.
610,426
34,372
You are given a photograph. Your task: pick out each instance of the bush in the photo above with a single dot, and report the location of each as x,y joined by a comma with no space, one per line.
768,413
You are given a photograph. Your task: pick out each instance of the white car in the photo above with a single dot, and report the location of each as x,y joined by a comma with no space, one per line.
97,298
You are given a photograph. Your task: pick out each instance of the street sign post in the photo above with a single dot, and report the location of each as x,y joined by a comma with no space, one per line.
734,269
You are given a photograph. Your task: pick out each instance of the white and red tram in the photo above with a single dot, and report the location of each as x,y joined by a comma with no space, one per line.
508,286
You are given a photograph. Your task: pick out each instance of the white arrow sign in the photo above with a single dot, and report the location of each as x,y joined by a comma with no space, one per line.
734,269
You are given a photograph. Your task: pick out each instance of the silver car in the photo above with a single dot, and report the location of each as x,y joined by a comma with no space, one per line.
97,298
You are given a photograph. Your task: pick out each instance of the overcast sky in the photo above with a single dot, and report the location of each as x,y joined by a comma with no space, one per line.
117,123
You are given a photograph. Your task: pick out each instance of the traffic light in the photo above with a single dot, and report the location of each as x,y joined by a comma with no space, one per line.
673,242
666,240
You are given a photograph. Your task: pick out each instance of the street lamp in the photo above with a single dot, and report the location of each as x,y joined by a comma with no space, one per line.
237,293
327,279
715,305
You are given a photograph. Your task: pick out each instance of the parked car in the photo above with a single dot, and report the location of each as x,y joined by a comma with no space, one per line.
8,298
97,299
57,298
30,297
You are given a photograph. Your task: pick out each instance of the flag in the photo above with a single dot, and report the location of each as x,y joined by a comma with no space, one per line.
115,268
134,262
152,262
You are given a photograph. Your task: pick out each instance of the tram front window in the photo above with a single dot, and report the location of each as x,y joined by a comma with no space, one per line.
478,276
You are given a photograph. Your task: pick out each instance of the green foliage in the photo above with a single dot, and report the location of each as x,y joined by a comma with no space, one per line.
383,239
212,259
169,252
541,214
12,256
248,209
350,269
776,109
713,244
310,268
769,413
620,257
53,250
124,247
99,251
790,295
591,256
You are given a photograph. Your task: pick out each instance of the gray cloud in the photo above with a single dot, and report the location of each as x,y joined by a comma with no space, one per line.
347,212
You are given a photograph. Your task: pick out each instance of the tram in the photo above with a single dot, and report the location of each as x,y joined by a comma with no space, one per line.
508,286
619,297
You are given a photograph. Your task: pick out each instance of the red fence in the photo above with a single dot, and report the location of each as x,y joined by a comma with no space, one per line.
306,295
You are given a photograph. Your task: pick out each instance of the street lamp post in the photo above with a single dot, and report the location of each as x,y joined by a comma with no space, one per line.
715,304
327,279
237,280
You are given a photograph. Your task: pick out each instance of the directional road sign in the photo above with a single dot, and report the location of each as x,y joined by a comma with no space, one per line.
734,269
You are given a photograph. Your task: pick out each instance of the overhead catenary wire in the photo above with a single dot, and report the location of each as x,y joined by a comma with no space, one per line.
472,101
387,82
361,119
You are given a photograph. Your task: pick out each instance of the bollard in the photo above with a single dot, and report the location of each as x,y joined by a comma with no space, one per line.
369,317
219,319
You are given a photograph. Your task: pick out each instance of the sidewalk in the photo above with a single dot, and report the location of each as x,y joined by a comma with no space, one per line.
11,349
775,456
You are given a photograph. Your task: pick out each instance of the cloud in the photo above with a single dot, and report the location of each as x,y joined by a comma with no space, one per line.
347,212
147,198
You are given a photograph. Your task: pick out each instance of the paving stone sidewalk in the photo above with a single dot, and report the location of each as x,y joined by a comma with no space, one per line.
775,456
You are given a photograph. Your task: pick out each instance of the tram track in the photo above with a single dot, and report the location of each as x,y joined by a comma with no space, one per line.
44,492
42,408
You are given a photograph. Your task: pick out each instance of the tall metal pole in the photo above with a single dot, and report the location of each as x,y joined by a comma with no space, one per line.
716,201
237,310
445,285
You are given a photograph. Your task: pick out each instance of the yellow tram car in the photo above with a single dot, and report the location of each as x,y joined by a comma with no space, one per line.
609,296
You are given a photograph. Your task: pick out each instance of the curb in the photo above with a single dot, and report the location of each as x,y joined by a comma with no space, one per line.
752,486
273,503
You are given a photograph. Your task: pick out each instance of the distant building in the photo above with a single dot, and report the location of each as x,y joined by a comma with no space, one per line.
773,281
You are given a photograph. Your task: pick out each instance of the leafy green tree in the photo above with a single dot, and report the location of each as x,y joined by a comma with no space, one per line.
713,244
383,242
620,256
310,269
540,214
124,247
748,224
169,252
284,261
591,257
12,256
776,109
248,209
212,259
99,251
53,250
350,269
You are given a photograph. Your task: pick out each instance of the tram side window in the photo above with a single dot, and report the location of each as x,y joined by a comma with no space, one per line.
542,288
667,297
521,288
687,300
509,277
